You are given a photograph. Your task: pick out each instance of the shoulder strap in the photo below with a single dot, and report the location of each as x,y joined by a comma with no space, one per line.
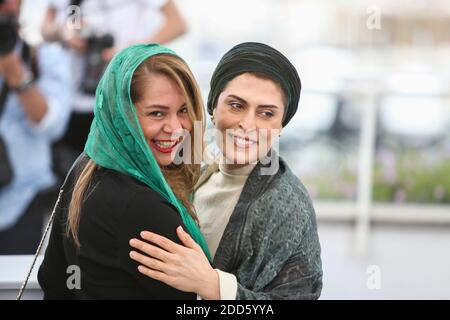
47,228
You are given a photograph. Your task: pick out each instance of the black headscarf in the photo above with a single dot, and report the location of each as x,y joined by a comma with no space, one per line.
259,58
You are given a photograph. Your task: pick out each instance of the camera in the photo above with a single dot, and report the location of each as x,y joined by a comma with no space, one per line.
9,33
95,65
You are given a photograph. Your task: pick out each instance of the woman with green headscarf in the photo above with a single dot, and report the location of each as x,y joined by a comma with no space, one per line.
126,182
255,214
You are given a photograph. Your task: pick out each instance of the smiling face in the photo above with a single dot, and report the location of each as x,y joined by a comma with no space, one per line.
163,117
248,115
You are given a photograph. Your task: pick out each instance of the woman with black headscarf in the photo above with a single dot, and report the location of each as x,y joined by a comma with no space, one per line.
255,214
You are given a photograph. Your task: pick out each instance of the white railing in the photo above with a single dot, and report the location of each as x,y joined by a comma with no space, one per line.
13,271
364,211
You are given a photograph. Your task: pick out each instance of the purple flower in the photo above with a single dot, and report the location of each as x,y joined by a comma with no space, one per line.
389,175
389,164
349,191
439,192
400,196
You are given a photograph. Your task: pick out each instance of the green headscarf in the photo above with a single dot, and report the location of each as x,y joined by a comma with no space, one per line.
116,140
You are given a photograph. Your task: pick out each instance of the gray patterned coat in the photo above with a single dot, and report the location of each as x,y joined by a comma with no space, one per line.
270,242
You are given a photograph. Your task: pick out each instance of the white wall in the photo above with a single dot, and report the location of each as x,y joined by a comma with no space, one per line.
13,271
414,262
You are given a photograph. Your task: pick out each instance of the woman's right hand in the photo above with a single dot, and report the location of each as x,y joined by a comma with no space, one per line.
183,267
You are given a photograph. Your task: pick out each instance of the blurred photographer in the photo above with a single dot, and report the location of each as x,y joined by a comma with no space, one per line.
94,30
34,110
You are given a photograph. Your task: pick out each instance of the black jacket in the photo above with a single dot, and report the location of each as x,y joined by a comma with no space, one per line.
118,208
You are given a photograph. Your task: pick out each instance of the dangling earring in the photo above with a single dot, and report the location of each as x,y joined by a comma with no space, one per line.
279,135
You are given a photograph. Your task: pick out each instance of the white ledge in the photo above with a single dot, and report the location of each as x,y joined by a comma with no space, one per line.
14,269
